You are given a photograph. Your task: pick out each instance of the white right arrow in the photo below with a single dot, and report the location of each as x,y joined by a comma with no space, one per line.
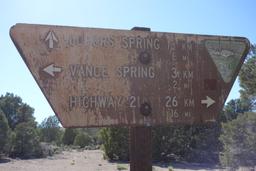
51,69
208,101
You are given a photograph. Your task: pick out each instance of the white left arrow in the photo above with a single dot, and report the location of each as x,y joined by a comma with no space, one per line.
51,69
208,101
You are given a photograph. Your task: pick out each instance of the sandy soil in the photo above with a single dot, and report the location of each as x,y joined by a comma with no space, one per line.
91,160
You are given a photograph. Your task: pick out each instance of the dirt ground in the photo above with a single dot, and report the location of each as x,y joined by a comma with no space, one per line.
88,160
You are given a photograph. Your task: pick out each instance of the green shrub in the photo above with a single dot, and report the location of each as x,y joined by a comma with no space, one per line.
69,136
26,142
121,167
238,138
186,143
82,139
4,131
16,111
170,143
50,130
49,149
170,168
115,143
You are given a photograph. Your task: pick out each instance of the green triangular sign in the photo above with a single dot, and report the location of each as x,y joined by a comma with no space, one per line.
226,56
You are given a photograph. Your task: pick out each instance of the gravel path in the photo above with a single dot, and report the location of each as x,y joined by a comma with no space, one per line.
88,160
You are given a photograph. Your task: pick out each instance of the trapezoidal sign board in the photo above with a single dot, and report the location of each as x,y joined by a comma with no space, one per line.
106,77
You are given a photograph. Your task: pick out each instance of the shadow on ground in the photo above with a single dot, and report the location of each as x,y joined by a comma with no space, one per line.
4,160
192,166
181,165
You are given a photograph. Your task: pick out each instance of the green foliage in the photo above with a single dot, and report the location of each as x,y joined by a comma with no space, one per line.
4,132
247,76
26,142
189,143
115,143
48,149
121,167
69,136
234,108
22,140
82,139
50,122
16,111
170,168
238,138
50,130
169,143
94,133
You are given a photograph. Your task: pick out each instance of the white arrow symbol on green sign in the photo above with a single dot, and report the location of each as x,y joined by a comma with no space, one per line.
208,101
51,69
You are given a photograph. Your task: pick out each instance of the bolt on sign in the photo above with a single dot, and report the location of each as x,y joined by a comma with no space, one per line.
106,77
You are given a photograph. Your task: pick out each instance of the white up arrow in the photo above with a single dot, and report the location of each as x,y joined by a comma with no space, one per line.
208,101
51,69
51,38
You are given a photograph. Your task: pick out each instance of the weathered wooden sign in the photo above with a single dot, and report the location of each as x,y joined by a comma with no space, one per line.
104,77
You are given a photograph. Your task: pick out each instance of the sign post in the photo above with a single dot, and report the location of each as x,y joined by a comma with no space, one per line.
104,77
141,136
140,148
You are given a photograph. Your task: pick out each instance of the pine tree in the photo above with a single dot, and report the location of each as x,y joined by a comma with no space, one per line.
4,131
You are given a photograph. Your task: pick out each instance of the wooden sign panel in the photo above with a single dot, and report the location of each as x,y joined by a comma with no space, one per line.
105,77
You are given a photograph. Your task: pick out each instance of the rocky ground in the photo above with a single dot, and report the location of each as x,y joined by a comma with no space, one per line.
87,160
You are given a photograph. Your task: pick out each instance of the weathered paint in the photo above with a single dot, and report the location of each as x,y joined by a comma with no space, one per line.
105,77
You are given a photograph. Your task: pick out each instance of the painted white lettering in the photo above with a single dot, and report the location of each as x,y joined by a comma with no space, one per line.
84,102
171,45
156,44
175,73
91,102
132,100
133,72
131,41
184,57
187,114
174,56
124,42
151,72
119,101
140,43
172,113
175,84
171,102
189,103
73,70
136,72
187,74
88,40
87,71
72,101
102,101
119,72
111,102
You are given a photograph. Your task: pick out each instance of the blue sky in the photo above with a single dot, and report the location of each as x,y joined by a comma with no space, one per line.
217,17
